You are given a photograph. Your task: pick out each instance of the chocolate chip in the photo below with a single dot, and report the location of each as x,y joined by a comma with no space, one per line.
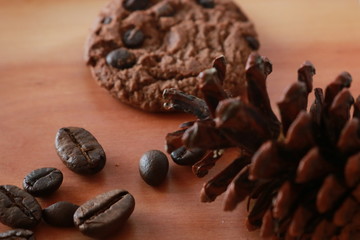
206,3
106,20
133,38
121,58
164,10
133,5
252,42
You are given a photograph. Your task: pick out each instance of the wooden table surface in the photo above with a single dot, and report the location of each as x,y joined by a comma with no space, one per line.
45,85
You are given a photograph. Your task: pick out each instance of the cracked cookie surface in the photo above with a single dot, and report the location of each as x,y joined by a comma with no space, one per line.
138,48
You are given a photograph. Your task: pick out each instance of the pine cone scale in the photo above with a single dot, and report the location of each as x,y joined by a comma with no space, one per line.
352,170
345,213
312,166
285,199
218,184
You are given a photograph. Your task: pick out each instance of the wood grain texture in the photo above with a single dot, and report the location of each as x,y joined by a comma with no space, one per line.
45,86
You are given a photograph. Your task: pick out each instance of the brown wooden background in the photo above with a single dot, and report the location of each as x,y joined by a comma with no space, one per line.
44,85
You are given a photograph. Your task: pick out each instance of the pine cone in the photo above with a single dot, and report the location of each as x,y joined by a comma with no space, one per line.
301,176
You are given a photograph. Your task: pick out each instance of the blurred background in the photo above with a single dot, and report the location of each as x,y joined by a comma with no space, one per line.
45,85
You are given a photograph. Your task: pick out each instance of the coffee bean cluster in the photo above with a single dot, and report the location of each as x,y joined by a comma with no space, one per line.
99,217
81,153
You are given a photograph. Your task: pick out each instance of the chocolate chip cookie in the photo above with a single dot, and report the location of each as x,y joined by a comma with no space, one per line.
138,48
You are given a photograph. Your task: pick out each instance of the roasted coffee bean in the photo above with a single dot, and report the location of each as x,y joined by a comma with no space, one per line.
17,234
79,150
164,9
183,156
60,214
206,3
121,58
153,167
252,42
133,5
133,38
104,214
18,209
42,181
